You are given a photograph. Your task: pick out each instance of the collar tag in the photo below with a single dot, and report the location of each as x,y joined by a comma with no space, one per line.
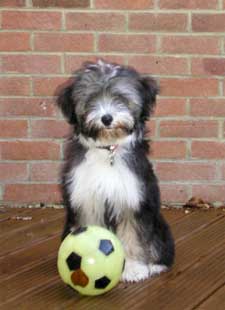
112,152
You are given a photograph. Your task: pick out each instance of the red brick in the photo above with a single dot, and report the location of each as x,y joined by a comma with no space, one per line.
29,150
12,3
49,129
31,20
14,86
208,22
174,193
208,66
28,193
13,129
47,86
64,42
185,171
190,4
11,41
74,62
190,45
208,107
10,172
158,22
96,21
189,129
151,128
170,107
159,65
27,107
209,192
127,43
168,150
208,149
41,64
124,4
76,4
193,87
48,172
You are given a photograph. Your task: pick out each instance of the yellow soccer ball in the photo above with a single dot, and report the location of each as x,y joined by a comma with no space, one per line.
91,260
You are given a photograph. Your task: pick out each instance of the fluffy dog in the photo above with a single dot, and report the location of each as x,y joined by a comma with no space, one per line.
108,179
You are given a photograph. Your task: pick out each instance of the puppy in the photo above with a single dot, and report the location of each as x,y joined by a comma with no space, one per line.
108,179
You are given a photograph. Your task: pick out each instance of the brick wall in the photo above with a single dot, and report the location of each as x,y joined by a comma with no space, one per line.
180,42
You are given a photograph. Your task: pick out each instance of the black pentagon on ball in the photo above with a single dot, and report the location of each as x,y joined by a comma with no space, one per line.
73,261
102,282
79,230
106,247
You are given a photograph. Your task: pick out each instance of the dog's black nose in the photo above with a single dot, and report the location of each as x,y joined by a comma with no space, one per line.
107,119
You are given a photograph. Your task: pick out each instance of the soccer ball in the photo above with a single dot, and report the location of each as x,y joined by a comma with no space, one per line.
91,260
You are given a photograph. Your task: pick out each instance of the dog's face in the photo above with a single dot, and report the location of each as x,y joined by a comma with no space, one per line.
106,102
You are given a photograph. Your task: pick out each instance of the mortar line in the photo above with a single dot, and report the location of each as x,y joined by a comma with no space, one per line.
96,43
32,41
205,35
29,172
221,129
220,4
2,189
185,76
189,23
138,54
1,21
188,108
29,130
28,3
156,5
93,10
63,21
92,4
126,22
221,82
62,63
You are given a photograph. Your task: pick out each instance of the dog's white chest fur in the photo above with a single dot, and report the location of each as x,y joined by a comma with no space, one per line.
95,181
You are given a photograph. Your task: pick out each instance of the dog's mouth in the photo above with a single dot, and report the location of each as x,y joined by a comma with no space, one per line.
107,133
117,132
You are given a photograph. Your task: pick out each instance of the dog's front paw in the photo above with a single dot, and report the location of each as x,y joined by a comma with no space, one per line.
155,269
134,271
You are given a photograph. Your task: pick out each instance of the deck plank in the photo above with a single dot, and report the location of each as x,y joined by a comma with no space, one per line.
194,222
190,251
10,262
27,257
47,289
173,215
191,287
22,218
23,237
215,301
6,213
35,251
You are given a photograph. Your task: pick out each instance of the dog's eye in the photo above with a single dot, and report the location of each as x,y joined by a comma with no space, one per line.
119,99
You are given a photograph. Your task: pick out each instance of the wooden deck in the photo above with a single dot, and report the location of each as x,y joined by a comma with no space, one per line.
29,239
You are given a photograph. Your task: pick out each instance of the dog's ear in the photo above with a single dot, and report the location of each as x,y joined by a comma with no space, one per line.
150,89
66,103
